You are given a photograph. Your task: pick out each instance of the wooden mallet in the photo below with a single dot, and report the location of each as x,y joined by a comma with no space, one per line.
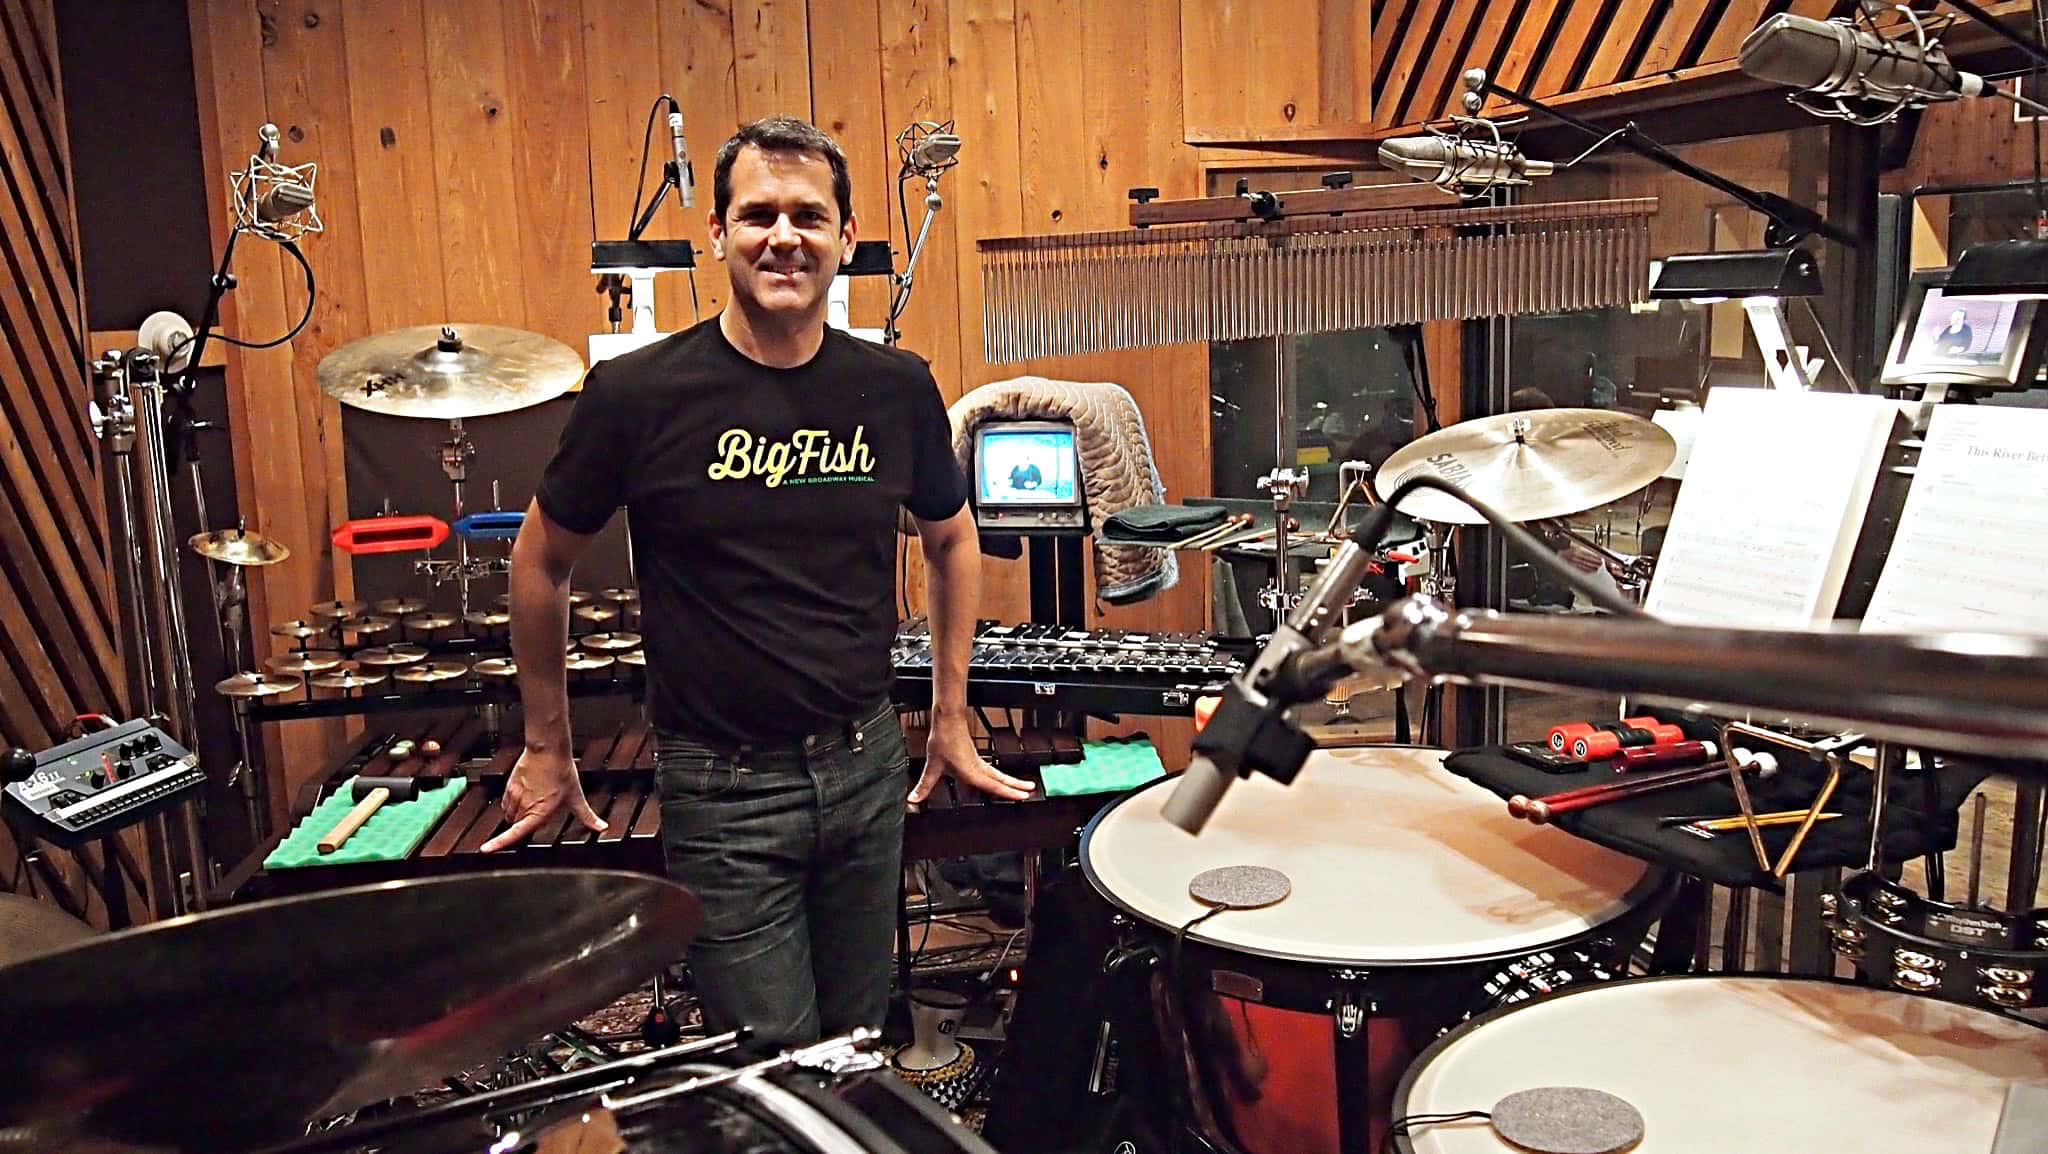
370,794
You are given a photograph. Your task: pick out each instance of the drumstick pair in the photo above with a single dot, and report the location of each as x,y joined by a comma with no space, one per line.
1542,810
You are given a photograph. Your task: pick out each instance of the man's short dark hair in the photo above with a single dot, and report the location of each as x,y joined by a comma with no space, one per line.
782,134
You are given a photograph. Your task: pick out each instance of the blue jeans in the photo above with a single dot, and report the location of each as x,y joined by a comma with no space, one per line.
796,853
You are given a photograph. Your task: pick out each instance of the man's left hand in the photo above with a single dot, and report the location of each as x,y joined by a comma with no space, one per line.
950,752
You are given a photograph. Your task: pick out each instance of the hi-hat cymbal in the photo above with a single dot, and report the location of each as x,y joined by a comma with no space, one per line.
239,547
401,654
304,661
449,372
399,606
1529,466
490,961
432,671
338,610
258,685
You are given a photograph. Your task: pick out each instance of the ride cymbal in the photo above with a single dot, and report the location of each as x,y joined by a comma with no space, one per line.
449,372
1529,466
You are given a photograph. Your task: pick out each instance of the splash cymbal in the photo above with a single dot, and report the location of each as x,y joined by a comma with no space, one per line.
258,685
586,662
399,606
297,630
338,610
303,662
348,679
400,654
497,667
449,372
1529,466
612,642
432,671
483,619
624,597
429,622
491,961
239,547
596,613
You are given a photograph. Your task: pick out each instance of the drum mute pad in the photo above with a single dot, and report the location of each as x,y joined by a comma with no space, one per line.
1240,887
1567,1120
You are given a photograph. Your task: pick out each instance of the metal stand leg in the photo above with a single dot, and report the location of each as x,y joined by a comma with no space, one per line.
2030,814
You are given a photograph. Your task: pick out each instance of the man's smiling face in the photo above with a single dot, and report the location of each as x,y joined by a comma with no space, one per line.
782,239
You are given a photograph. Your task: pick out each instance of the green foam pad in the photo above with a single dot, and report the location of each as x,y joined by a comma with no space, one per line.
391,834
1109,766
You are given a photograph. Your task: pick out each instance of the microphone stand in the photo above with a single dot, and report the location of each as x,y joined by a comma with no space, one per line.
2027,45
1790,221
901,298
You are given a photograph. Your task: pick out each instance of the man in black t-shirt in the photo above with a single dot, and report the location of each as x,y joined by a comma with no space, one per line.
762,458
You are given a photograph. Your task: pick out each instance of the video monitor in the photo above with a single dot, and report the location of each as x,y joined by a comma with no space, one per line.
1027,475
1972,342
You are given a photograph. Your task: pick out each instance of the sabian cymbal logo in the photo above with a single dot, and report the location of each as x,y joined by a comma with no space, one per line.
808,457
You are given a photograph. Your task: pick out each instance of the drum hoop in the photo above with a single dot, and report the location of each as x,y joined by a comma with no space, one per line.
1656,884
1402,1143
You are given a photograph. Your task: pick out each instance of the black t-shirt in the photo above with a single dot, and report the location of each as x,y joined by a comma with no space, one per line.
762,504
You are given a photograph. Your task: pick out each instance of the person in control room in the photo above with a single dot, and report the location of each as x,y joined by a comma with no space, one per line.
763,457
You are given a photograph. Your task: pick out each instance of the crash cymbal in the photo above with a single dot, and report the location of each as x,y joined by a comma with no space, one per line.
258,685
338,610
497,667
239,547
348,679
429,622
304,661
612,642
1531,465
399,606
449,372
297,630
490,961
486,620
401,654
432,671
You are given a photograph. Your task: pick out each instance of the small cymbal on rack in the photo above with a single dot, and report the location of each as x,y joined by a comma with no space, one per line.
636,657
485,619
297,630
576,597
612,642
338,610
586,662
257,685
432,671
368,625
304,661
429,622
620,595
597,614
399,606
497,667
239,547
403,653
348,679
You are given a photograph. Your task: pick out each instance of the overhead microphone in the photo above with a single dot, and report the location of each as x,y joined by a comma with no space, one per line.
685,176
283,200
1836,61
934,151
1450,161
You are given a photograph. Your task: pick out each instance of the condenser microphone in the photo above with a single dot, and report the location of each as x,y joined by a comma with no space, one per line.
1449,161
684,176
934,152
283,200
1835,59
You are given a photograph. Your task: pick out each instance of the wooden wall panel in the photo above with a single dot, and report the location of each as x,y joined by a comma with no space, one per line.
60,648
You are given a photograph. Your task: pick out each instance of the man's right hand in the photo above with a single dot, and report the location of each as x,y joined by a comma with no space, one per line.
542,782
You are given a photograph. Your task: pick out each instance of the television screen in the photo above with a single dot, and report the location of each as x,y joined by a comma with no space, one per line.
1026,463
1961,330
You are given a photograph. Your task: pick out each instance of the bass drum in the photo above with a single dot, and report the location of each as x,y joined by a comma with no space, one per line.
1720,1064
790,1112
1414,898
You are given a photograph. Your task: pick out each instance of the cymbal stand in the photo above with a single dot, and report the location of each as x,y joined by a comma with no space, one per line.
456,454
230,601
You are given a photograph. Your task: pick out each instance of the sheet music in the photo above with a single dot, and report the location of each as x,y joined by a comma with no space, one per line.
1972,548
1773,499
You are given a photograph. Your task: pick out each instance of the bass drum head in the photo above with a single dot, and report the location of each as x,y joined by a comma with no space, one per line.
1393,861
797,1112
1720,1064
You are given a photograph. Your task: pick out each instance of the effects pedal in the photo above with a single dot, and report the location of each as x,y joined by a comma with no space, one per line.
85,789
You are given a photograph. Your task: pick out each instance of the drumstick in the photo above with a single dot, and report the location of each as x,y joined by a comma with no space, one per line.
1520,803
1541,810
1222,528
